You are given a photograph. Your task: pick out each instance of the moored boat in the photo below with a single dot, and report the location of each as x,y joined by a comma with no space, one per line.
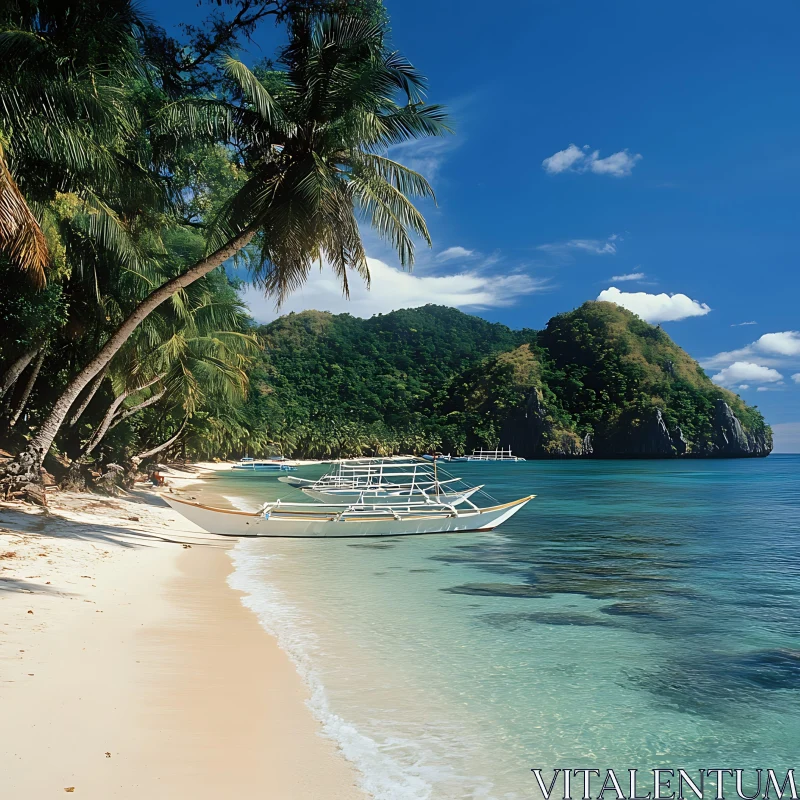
265,465
388,496
489,455
310,520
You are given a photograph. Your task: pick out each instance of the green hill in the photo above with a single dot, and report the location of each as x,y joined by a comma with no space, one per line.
596,381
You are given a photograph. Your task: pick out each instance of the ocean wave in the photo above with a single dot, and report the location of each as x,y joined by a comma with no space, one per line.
382,777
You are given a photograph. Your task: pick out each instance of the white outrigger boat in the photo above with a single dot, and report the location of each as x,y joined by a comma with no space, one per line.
265,465
489,455
312,520
389,496
385,481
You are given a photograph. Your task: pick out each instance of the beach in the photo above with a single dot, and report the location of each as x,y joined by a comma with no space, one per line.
129,668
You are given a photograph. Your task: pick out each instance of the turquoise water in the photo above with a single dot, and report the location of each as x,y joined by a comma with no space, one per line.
636,614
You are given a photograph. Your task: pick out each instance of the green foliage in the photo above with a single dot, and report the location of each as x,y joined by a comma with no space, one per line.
435,378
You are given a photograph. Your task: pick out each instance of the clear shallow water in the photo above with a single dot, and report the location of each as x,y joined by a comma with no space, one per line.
636,614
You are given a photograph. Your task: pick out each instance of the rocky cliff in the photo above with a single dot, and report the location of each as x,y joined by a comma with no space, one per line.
531,435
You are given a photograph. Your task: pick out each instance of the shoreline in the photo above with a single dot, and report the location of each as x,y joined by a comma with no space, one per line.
129,667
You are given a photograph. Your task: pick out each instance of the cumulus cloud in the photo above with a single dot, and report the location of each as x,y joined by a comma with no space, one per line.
393,289
785,343
746,371
771,349
454,252
563,160
655,307
630,276
745,386
601,247
576,159
796,377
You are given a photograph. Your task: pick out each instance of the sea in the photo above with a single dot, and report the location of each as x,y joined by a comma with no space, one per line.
636,614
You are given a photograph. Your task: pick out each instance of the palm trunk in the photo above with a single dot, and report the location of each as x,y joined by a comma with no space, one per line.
96,383
108,419
165,445
23,400
102,428
20,469
11,375
129,412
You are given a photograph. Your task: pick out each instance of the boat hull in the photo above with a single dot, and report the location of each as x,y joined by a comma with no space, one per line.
323,523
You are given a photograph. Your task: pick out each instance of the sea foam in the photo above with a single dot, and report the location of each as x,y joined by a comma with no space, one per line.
382,777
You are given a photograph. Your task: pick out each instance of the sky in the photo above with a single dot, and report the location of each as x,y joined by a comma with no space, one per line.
642,153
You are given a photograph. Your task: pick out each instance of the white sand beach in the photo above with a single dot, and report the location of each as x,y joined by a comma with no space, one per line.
130,669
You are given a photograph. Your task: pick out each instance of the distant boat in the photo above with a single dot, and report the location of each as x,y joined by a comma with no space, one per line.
489,455
395,481
265,465
311,520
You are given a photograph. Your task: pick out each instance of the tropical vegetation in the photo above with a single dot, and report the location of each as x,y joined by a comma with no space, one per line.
133,166
434,378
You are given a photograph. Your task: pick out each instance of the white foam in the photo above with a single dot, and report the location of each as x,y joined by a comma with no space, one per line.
382,777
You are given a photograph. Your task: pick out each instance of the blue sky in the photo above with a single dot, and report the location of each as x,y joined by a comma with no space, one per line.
632,149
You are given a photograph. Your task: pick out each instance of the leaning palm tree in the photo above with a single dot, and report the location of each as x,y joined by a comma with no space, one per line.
313,137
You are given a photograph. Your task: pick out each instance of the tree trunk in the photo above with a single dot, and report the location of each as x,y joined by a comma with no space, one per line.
23,400
101,429
37,449
165,445
108,419
96,383
16,369
129,412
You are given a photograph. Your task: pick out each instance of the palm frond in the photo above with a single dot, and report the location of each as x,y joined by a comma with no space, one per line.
21,236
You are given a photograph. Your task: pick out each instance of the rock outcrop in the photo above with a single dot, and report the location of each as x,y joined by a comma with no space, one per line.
531,434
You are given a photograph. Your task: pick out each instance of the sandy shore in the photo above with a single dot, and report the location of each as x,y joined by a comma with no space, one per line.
129,668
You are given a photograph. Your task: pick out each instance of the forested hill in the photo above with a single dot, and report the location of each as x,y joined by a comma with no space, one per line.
596,381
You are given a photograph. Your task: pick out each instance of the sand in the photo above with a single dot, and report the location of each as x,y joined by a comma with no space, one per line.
139,674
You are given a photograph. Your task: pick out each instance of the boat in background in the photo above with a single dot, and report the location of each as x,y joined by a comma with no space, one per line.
489,455
313,520
265,465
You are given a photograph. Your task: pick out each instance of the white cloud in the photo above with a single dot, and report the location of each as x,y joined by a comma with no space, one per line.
563,160
785,343
575,159
768,350
739,324
746,371
745,386
618,164
602,247
796,377
630,276
655,307
454,252
393,289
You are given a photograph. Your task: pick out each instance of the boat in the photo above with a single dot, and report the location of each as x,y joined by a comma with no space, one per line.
266,465
391,496
489,455
395,480
312,520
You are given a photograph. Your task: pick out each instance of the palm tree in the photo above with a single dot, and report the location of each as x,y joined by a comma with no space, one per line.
67,124
184,358
314,146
